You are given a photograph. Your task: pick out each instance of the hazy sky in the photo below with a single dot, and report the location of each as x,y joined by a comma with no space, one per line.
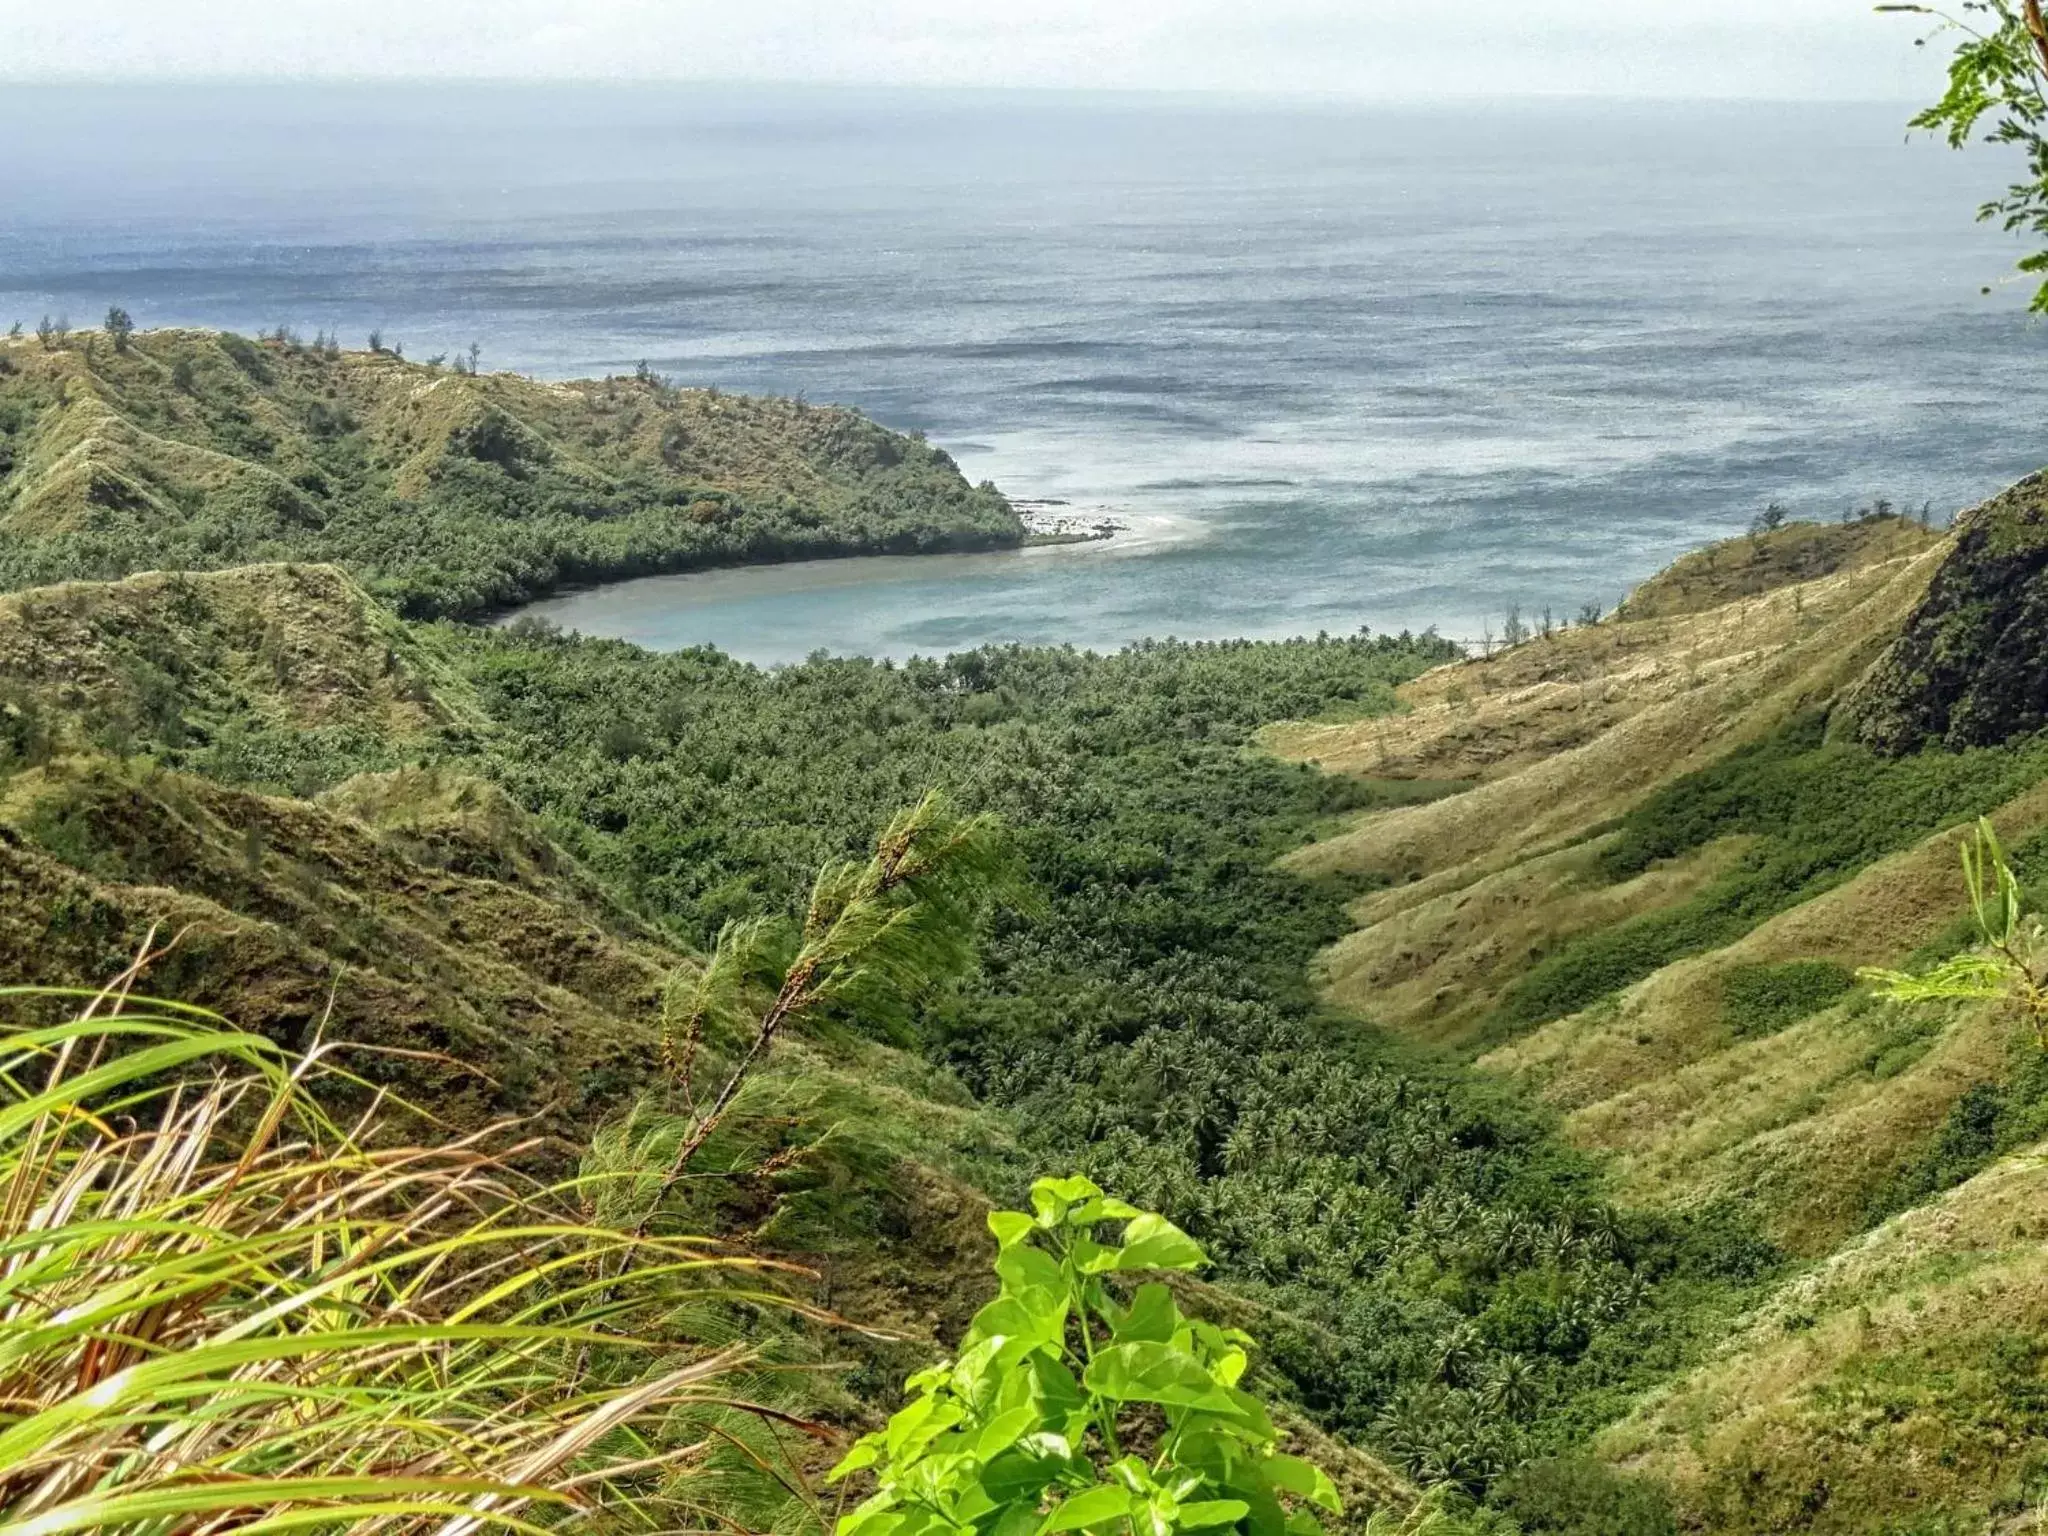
1404,48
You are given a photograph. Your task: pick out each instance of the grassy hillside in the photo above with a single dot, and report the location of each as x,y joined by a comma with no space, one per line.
1897,1386
446,492
1671,852
1782,557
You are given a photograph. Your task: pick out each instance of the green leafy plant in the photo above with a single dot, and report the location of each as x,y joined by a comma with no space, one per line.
1071,1410
1999,70
2010,963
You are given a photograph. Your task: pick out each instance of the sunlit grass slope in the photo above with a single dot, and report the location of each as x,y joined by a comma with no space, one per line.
1898,1386
1650,907
1558,737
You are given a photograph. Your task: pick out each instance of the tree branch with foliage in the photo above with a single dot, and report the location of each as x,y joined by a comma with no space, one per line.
2010,963
875,936
1999,71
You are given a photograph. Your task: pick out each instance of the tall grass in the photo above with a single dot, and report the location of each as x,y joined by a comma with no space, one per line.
221,1308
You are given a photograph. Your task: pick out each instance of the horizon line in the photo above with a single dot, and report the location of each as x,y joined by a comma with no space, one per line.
48,79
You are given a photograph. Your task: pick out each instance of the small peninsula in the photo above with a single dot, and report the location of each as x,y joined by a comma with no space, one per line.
448,492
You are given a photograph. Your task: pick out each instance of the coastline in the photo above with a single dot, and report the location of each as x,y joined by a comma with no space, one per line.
1050,522
1047,523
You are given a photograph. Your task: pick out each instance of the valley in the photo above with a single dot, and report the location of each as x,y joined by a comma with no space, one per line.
1492,1021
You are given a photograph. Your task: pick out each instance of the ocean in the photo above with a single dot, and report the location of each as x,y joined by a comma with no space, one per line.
1333,365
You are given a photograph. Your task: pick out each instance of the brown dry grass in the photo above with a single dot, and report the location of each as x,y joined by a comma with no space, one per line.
1652,701
1563,735
1739,568
1433,970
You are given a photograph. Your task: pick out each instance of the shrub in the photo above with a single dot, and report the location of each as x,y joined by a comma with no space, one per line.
1124,1417
1572,1496
1763,999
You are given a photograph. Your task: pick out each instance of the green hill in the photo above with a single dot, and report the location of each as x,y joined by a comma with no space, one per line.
446,492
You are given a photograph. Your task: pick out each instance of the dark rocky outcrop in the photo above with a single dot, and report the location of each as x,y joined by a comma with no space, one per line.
1971,666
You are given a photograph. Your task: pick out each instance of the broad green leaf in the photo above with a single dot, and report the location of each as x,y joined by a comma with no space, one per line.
1153,1242
1053,1198
1267,1518
1025,1268
916,1426
933,1480
1252,1412
1153,1316
1219,1458
905,1421
1003,1431
864,1453
1132,1473
868,1515
1091,1257
1010,1227
1105,1208
1090,1507
1304,1479
1228,1368
1036,1314
1055,1388
1047,1444
1023,1473
973,1503
1195,1517
1155,1373
975,1377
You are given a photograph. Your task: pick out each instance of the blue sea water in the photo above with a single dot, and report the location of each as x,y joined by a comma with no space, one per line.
1336,365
